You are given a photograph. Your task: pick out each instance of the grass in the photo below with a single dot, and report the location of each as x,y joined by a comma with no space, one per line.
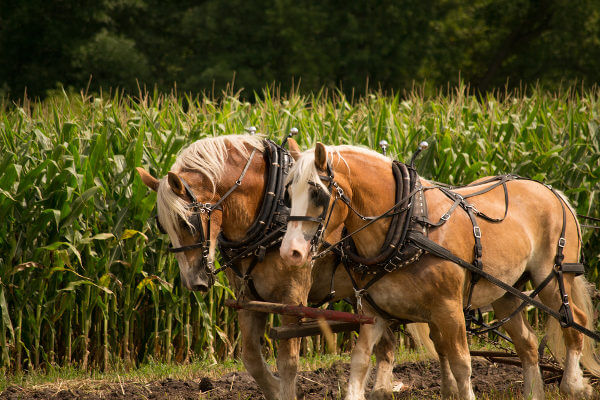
57,377
97,382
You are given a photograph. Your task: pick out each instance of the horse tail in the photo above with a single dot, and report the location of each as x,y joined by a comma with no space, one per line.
420,334
581,296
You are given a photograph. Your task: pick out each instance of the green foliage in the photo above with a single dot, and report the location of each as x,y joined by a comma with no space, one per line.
390,44
84,275
111,58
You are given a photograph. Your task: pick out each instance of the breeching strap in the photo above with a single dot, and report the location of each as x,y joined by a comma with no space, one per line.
432,247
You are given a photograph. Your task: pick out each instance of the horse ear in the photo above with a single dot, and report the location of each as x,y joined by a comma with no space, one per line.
321,157
175,183
294,149
148,179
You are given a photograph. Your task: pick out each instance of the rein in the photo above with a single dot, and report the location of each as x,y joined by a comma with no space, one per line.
420,240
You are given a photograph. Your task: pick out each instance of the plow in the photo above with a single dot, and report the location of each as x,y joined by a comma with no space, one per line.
316,321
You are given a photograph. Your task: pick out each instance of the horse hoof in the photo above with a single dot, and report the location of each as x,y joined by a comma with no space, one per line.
381,394
584,392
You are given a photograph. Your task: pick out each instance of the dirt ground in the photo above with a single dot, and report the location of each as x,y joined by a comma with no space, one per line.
420,380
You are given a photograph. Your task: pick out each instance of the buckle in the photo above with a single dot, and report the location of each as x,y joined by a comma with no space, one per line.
473,208
445,217
562,242
477,232
389,267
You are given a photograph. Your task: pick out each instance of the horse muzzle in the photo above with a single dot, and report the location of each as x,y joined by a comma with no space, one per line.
295,252
199,280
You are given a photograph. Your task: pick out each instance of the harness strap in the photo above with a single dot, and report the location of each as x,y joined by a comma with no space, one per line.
430,246
477,250
264,243
565,308
247,280
331,293
517,310
237,183
445,217
472,318
384,215
459,200
361,293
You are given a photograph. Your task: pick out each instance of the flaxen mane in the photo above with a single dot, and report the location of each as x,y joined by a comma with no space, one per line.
304,169
207,157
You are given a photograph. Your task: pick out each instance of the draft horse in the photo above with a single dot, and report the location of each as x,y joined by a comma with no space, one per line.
516,241
227,191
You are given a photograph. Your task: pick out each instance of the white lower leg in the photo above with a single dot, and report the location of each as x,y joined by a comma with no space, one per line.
383,377
573,383
361,359
449,387
384,357
462,374
533,386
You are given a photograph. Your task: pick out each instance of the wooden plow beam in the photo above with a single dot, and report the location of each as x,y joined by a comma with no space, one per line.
338,321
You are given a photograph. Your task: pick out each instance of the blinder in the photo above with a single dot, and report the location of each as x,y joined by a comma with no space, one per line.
323,218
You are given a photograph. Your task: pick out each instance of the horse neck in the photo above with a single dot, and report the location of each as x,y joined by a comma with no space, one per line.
372,187
241,208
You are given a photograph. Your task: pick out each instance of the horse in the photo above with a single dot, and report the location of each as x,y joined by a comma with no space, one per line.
435,290
205,172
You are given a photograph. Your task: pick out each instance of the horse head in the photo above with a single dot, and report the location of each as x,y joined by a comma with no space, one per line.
312,194
194,198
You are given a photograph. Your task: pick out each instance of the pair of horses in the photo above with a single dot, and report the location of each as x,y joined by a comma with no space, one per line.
430,290
204,172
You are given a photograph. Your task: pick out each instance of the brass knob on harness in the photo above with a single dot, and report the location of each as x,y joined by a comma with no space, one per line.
383,145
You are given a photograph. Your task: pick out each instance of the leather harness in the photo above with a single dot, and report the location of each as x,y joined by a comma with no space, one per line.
265,233
406,240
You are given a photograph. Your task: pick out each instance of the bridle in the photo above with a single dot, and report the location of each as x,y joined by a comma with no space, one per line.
198,208
323,218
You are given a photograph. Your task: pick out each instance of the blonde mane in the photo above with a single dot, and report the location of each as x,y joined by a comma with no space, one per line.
207,157
304,169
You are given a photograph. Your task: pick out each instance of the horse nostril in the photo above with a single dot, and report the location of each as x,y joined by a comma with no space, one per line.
296,254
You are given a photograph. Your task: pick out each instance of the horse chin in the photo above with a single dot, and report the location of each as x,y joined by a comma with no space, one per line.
196,282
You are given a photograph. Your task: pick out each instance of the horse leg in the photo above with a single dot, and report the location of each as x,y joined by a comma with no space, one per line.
288,353
360,361
572,384
525,343
384,356
252,327
451,341
448,386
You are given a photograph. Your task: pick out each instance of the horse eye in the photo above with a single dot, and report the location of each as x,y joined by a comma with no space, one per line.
193,223
319,197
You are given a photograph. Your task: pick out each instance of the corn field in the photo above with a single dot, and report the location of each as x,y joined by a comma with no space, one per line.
85,278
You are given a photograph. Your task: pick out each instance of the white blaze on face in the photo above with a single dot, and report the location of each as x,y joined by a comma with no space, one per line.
295,246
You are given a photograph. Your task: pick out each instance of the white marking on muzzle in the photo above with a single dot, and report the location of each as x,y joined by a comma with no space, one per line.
295,246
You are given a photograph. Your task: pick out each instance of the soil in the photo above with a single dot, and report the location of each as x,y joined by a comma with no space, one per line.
415,380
